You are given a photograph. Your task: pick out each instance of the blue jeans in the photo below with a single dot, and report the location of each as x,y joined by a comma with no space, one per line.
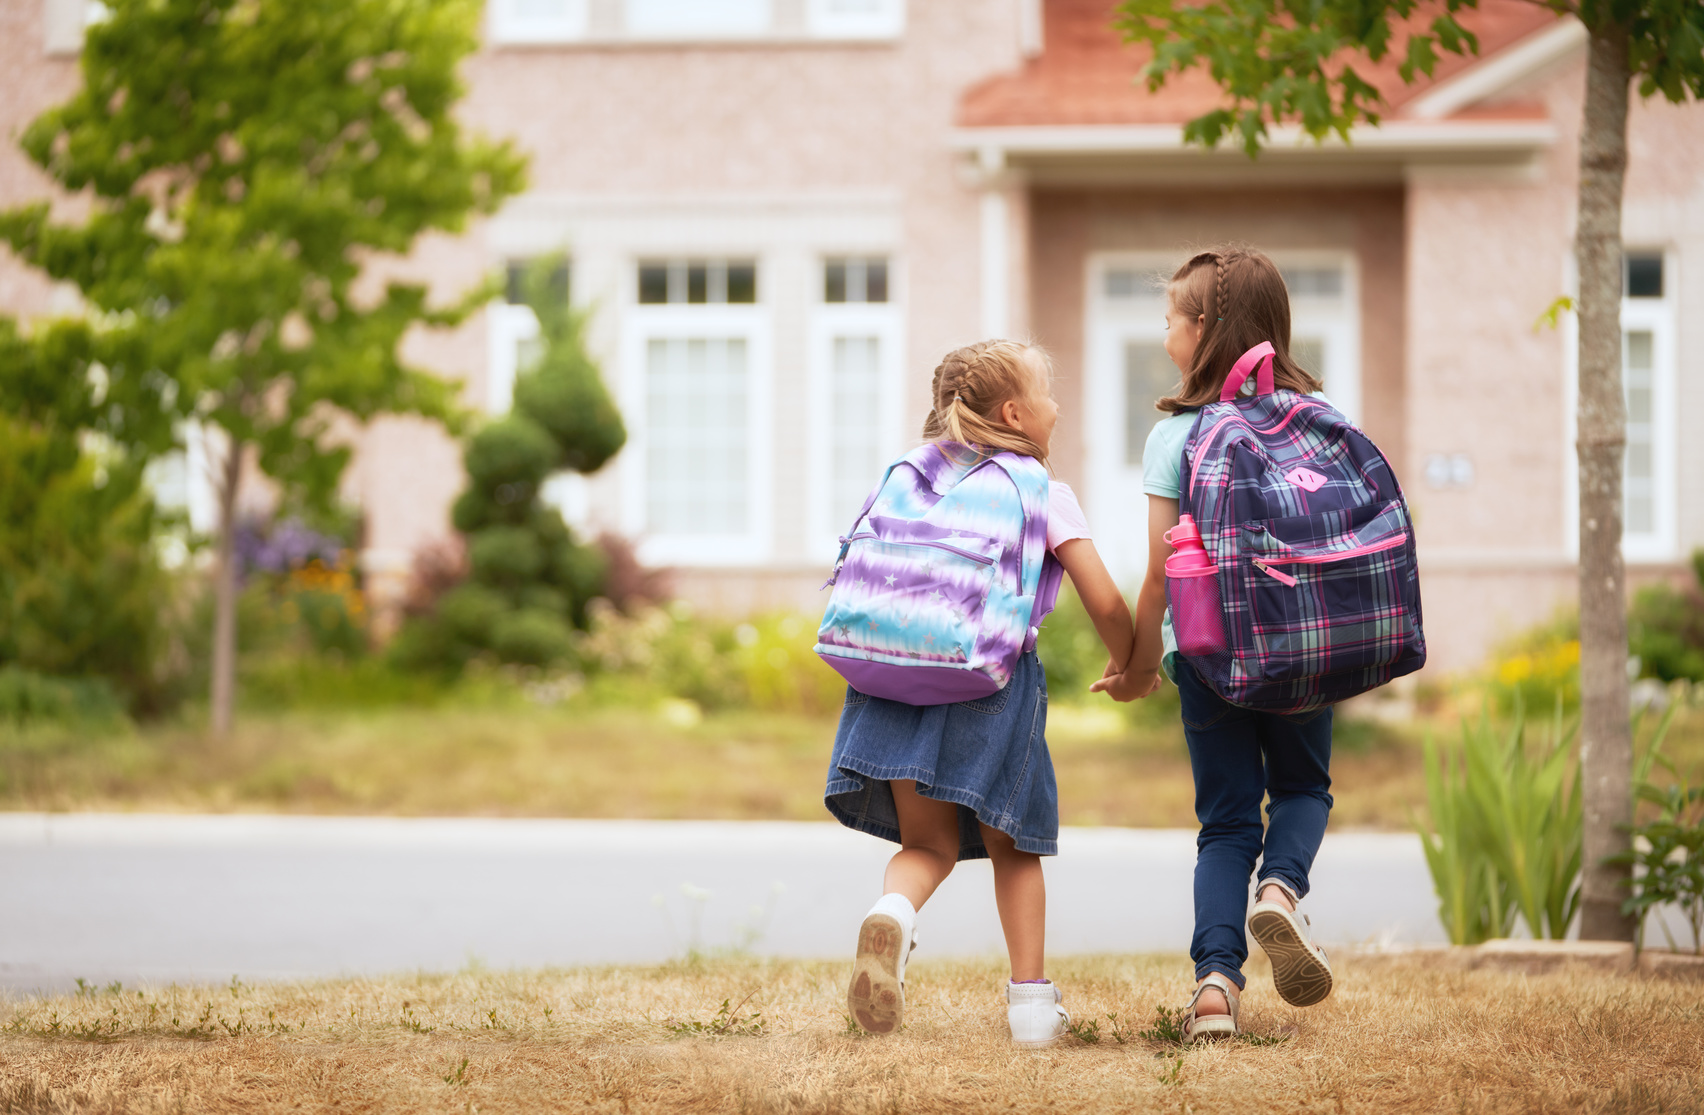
1239,756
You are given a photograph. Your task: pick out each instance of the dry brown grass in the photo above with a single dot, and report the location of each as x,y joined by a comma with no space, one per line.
1400,1035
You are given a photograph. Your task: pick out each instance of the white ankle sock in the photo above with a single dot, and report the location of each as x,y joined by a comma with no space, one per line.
896,906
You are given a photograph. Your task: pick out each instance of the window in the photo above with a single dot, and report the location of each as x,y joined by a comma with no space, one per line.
697,282
1649,476
856,19
697,430
696,396
855,449
855,392
537,21
698,18
855,280
1149,375
1647,380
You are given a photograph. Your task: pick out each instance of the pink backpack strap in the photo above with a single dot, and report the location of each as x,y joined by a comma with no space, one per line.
1260,356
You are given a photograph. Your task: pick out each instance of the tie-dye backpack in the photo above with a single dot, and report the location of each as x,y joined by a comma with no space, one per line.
944,578
1313,595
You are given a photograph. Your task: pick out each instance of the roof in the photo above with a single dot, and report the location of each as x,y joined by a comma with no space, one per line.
1086,75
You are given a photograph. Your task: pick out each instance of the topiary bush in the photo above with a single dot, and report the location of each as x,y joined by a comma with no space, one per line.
1665,628
528,578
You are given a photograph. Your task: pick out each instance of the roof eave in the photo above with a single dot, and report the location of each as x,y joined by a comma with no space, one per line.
1429,139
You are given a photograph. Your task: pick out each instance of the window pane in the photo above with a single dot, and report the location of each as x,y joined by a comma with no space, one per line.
834,281
1639,351
705,17
742,282
515,277
653,282
1148,374
876,281
1309,352
1640,516
1644,277
697,283
855,401
1314,282
696,435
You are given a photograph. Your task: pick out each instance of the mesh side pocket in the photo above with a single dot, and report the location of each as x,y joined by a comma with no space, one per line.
1198,618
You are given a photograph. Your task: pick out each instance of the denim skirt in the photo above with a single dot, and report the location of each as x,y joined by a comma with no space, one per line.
988,756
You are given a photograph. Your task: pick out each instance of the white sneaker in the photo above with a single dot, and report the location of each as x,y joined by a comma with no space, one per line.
876,997
1035,1014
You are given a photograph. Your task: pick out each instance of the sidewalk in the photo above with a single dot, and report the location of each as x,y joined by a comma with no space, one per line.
157,898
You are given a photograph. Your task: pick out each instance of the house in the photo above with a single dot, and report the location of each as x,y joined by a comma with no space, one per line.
781,213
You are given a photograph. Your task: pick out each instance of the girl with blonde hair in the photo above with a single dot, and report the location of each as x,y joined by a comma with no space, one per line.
972,779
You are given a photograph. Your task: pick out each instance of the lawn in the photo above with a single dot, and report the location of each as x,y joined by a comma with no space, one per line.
738,1035
519,759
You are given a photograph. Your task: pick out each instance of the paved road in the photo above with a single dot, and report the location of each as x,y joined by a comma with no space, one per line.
145,898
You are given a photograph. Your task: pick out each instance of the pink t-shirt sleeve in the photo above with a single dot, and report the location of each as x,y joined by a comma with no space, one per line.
1065,519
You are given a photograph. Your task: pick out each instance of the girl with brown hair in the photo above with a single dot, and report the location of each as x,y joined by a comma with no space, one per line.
1220,304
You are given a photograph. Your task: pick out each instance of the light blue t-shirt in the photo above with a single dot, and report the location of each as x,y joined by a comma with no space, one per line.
1162,457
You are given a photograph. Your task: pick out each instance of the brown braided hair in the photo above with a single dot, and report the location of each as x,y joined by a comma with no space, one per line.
1243,301
971,384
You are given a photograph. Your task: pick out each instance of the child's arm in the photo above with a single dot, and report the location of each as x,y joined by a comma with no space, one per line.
1141,675
1100,596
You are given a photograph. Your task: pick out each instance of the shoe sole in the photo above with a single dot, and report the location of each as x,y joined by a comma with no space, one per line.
875,998
1212,1028
1301,977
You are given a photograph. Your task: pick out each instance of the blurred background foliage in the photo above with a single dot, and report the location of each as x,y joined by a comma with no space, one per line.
527,580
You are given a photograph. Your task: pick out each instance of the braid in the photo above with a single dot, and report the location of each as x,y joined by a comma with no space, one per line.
1218,287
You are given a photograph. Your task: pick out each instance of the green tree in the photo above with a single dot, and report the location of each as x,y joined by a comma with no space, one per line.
1279,60
529,579
247,159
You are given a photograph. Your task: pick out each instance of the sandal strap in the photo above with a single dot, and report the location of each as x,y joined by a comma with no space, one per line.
1221,983
1275,881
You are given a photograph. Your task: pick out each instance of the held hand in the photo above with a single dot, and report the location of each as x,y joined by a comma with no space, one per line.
1128,686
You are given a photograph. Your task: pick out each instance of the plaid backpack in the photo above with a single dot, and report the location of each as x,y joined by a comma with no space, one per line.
943,579
1315,595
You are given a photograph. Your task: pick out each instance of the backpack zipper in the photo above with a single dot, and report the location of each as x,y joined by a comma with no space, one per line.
973,556
1265,562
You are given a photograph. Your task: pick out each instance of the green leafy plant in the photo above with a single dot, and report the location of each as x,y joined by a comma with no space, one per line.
728,1021
1505,833
1667,857
1167,1026
529,580
1665,628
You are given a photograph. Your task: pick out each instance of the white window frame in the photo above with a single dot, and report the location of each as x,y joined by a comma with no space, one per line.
1660,317
507,325
752,324
879,19
506,23
830,320
672,20
1110,324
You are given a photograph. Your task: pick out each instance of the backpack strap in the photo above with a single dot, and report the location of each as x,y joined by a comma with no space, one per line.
1033,497
1261,356
925,459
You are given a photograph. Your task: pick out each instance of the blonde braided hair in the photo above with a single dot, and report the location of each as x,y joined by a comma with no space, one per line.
970,386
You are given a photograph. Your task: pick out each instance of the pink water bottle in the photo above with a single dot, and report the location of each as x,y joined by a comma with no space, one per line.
1192,588
1190,558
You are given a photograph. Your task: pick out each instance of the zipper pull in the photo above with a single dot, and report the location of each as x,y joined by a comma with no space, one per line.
1283,578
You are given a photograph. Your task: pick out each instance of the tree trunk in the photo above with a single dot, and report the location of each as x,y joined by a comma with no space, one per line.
224,694
1606,740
